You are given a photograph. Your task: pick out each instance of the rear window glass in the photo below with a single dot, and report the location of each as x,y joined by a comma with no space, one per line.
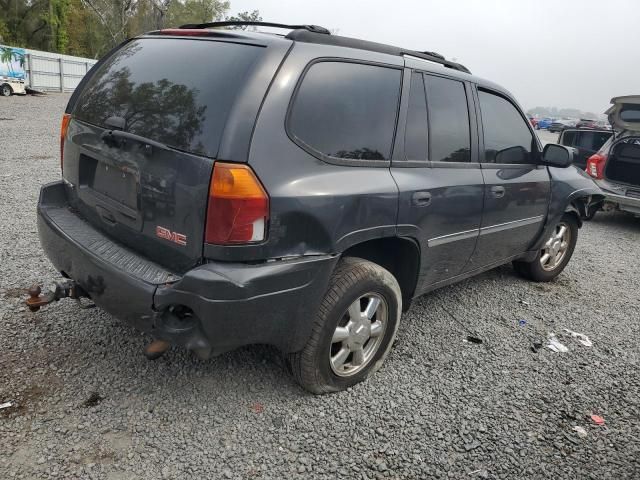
347,110
630,113
176,91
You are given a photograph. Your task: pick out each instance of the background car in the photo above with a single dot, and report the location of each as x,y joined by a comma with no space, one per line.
560,125
616,166
544,123
586,141
587,123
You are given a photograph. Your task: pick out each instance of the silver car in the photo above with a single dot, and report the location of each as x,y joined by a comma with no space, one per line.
616,166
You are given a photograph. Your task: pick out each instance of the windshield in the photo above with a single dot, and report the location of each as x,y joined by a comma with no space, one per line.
176,91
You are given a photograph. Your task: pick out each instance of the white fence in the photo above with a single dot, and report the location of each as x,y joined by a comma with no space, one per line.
55,72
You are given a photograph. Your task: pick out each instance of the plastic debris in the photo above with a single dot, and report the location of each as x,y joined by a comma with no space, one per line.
597,419
522,322
580,431
474,339
524,302
5,405
554,345
581,338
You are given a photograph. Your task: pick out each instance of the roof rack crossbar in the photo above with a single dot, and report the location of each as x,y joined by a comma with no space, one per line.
234,23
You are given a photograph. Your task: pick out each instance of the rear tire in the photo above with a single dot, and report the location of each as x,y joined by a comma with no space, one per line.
554,254
353,329
5,90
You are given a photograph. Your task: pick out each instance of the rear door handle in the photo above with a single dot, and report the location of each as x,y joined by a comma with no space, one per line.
421,199
497,191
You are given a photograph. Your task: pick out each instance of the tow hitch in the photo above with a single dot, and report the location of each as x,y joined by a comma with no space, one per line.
64,289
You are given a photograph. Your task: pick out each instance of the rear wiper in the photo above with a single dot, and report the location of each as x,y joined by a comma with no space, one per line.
118,138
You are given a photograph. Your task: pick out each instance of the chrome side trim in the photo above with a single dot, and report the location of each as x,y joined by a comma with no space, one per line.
508,225
452,237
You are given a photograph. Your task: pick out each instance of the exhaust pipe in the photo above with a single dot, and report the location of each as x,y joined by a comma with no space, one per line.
156,349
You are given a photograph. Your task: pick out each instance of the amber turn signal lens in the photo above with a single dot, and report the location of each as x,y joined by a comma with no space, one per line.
238,208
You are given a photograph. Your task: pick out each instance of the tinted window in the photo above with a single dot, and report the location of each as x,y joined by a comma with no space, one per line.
448,120
507,139
592,140
347,110
630,113
415,136
569,138
178,92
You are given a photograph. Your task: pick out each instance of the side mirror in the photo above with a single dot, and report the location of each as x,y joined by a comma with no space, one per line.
556,155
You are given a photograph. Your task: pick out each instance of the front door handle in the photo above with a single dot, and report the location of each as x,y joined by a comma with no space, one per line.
421,199
497,191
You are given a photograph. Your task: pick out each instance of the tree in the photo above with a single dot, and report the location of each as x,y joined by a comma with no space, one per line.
195,11
245,17
89,28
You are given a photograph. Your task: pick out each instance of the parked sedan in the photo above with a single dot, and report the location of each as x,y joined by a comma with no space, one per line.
616,166
586,123
544,123
561,125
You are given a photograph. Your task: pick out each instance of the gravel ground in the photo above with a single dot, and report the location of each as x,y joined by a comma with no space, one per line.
89,405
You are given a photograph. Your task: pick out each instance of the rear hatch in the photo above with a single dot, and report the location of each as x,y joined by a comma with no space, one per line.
144,134
623,164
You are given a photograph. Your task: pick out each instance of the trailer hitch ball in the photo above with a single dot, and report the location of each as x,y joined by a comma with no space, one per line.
33,302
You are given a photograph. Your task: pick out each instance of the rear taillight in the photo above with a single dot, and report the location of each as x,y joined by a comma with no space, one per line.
595,165
185,32
63,134
238,208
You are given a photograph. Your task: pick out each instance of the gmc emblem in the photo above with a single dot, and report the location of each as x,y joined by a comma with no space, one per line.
174,237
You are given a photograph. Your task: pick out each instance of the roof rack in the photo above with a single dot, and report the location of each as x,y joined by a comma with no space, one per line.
312,37
234,23
321,35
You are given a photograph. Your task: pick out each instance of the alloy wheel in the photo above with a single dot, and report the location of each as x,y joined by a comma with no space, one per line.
555,249
358,335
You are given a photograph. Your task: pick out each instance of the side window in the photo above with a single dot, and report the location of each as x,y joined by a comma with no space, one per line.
507,138
449,137
347,110
569,138
415,135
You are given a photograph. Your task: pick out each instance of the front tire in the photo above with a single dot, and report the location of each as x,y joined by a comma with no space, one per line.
5,90
554,254
353,329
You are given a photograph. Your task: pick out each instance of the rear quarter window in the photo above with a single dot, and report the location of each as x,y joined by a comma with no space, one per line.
346,110
175,91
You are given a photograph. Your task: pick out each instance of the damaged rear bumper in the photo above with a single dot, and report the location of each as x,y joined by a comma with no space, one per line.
212,308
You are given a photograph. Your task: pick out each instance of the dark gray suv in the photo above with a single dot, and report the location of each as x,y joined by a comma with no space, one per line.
223,188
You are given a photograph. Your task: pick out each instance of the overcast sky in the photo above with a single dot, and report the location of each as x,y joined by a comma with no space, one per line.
563,53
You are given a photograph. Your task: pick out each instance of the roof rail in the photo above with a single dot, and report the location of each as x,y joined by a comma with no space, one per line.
321,35
312,37
234,23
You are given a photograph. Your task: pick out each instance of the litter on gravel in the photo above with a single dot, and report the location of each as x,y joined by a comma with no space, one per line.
597,419
555,345
580,431
581,338
5,405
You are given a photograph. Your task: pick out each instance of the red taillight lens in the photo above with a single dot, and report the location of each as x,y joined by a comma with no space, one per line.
66,118
186,32
238,208
595,165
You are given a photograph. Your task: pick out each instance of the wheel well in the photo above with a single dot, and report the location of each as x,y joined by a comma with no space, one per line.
3,84
401,256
